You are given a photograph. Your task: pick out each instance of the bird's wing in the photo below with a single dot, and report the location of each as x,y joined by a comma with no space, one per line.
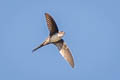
52,26
65,52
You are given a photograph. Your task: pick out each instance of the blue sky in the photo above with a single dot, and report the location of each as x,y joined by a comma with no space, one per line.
92,33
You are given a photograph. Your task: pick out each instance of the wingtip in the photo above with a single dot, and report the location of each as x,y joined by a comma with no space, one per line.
72,66
72,63
46,13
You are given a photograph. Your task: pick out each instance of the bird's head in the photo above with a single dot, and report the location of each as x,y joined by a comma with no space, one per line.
61,33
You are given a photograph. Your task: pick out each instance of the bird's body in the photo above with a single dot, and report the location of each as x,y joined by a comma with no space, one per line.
55,38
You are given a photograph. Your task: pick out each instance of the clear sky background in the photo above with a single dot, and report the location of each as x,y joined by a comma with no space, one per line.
92,33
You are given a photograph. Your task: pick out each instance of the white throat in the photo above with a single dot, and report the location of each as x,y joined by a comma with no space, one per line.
56,37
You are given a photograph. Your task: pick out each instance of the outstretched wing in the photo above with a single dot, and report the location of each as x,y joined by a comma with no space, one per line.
52,26
65,52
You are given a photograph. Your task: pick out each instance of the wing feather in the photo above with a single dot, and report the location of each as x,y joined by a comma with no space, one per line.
52,26
65,52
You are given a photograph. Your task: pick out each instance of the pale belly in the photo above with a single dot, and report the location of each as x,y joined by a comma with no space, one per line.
55,38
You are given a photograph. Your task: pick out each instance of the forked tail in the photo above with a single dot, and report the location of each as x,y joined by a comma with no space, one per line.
37,47
46,42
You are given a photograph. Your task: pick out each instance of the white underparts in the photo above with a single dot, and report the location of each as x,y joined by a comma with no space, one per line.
56,37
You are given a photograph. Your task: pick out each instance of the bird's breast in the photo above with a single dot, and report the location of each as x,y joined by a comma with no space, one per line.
55,38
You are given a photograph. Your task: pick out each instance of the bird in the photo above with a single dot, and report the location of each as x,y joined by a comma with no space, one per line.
55,37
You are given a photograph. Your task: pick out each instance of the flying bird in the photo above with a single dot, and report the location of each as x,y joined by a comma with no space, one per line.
55,37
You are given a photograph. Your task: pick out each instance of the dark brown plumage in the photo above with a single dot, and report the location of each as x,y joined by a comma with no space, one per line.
52,26
65,52
56,40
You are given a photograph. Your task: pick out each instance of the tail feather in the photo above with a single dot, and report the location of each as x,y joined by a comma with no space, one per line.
46,42
37,47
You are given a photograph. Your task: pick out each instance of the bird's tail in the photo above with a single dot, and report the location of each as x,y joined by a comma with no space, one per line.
37,47
46,42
